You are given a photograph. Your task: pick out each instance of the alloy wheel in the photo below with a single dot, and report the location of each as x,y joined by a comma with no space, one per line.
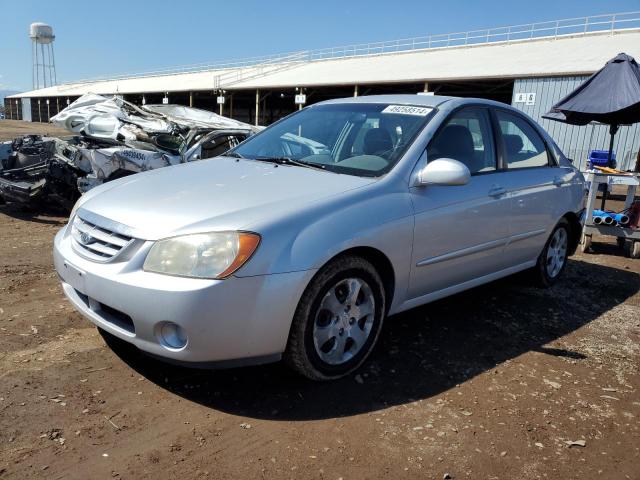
557,252
344,321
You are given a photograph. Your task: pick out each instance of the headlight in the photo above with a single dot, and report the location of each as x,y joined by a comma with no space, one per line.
202,255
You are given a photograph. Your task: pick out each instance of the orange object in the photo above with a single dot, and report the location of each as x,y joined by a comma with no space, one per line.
248,244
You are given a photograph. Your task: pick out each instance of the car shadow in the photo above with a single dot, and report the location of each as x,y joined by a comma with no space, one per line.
36,213
602,246
420,353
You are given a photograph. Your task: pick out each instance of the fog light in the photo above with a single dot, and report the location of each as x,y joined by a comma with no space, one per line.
172,335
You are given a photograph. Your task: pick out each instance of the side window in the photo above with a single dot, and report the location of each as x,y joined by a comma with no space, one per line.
523,146
466,137
219,145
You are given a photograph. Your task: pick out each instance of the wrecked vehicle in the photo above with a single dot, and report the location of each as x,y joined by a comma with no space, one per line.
34,167
111,138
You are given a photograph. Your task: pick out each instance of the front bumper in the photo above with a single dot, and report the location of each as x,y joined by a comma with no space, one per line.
239,318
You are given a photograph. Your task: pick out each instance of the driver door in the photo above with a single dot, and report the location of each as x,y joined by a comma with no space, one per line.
460,231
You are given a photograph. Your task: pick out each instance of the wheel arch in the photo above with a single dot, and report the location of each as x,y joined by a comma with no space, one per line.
380,262
575,231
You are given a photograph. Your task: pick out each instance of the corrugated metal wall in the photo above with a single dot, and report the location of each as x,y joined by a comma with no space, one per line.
576,142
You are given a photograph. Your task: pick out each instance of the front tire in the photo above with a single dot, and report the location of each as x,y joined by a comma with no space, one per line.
338,320
553,259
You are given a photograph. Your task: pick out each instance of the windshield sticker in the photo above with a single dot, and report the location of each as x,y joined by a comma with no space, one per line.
408,110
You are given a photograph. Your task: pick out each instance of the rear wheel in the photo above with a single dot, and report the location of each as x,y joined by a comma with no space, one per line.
585,244
553,259
337,321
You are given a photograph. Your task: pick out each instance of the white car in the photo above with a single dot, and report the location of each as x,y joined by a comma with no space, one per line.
299,249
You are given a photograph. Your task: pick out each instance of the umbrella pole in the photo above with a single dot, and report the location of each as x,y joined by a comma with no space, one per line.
612,131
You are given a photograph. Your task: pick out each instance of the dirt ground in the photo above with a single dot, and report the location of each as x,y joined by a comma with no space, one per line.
10,129
505,381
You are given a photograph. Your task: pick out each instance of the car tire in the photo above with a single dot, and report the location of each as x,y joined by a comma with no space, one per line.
553,258
585,244
338,320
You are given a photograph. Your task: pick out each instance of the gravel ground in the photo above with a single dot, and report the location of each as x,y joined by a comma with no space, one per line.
505,381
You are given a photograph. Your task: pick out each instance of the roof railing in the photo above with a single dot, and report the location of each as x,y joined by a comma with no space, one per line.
612,22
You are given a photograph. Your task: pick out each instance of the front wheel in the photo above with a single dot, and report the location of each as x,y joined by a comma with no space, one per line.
338,320
553,259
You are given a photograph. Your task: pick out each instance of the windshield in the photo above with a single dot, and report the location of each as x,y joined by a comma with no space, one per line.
353,138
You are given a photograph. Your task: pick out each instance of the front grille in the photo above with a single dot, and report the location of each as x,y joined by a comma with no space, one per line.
95,242
118,318
107,313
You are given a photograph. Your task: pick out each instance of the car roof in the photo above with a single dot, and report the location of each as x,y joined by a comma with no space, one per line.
432,101
401,99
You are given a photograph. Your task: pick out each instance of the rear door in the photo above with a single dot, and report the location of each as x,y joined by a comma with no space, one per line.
534,183
460,231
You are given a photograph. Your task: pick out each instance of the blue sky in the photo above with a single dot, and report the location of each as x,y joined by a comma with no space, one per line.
118,36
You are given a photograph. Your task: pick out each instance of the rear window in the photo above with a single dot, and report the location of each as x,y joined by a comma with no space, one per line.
523,146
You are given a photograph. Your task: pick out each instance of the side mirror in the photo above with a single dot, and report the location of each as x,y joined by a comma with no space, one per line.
444,171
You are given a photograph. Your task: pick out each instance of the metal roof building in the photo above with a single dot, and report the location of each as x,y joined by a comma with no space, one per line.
530,66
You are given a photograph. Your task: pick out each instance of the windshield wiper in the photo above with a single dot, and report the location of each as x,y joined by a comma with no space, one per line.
290,161
233,154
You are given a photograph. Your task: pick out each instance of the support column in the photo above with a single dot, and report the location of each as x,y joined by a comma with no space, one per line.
355,90
301,91
57,105
257,106
264,104
191,99
426,86
231,105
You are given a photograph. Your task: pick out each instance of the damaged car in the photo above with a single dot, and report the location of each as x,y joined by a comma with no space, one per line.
111,138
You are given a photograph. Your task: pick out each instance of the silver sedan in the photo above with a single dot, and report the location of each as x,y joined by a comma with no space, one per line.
299,242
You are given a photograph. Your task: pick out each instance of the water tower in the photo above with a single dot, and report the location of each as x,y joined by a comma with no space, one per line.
44,62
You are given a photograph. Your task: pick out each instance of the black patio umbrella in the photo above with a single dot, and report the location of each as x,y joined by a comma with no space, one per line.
610,96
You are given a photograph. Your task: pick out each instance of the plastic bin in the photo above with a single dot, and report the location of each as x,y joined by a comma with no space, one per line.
600,158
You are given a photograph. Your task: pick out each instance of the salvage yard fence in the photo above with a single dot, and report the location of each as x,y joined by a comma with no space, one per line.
611,23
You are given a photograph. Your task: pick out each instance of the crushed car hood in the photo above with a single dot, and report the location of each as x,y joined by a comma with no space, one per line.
101,117
218,194
191,117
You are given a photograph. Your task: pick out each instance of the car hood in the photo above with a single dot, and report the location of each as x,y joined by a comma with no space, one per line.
218,194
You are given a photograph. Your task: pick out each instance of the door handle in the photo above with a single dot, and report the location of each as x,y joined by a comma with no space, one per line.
497,191
558,181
